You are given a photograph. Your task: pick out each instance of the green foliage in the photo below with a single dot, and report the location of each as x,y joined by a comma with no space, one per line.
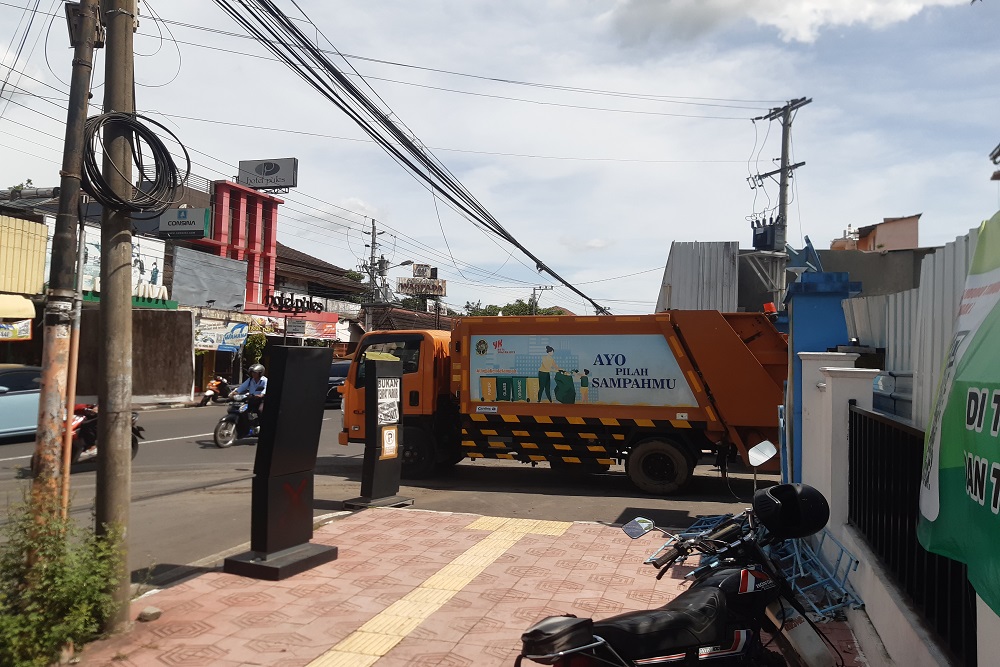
53,584
20,186
254,347
518,307
414,303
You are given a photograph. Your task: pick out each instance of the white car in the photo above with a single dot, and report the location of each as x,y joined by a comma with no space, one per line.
19,390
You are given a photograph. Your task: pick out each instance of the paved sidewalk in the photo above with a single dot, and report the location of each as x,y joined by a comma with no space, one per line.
410,588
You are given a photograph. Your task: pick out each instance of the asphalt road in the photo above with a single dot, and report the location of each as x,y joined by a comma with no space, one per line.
191,500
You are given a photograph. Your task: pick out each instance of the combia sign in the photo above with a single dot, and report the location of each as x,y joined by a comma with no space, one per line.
292,303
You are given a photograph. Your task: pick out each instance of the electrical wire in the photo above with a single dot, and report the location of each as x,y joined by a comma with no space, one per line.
162,190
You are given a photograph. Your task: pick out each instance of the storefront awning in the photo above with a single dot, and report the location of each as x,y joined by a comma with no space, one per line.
16,306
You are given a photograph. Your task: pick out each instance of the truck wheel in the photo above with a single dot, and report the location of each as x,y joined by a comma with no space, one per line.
419,458
658,466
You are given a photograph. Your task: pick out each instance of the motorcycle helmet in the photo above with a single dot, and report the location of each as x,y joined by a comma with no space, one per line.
257,368
791,510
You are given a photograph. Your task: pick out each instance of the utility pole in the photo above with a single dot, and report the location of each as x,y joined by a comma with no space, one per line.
776,274
114,425
370,269
534,298
62,275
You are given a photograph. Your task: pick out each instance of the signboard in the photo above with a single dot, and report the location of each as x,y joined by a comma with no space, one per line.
960,480
388,401
185,223
607,370
223,337
390,442
421,270
264,174
422,286
20,330
288,302
147,259
295,327
321,330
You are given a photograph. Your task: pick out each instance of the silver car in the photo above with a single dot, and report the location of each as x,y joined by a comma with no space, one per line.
19,390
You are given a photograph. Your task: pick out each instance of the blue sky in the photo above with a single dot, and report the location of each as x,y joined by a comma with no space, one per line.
597,185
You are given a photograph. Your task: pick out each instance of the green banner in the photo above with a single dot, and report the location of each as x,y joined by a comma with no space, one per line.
960,485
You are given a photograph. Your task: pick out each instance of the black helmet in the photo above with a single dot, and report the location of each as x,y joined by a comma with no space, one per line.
791,510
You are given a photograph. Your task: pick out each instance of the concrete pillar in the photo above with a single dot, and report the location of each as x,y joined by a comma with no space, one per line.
816,433
987,634
840,386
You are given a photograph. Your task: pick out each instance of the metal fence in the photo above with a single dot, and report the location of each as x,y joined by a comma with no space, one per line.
885,462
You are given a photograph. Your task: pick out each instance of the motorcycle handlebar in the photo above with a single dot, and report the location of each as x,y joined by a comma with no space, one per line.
665,559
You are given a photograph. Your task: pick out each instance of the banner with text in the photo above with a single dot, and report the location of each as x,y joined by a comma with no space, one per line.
960,481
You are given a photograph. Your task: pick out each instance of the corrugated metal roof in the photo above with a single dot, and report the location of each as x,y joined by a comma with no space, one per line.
700,276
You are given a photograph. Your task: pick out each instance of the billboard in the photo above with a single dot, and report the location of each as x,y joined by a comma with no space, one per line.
421,270
184,223
262,174
225,337
422,286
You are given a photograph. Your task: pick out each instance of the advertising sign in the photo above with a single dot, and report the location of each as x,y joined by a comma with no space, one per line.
263,174
960,481
421,270
321,330
223,337
388,401
184,223
147,259
20,330
422,286
607,370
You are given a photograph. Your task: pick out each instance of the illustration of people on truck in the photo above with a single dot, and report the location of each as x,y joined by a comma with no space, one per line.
547,366
584,377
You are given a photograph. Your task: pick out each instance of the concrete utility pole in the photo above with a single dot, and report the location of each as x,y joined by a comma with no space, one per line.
62,275
534,299
114,426
371,269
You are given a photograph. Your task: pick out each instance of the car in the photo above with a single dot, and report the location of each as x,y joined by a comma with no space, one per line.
338,373
20,387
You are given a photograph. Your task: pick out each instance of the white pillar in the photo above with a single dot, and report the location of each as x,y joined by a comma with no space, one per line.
842,385
815,424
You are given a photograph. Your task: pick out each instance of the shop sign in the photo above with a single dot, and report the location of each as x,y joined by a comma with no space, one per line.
184,223
20,330
265,174
422,286
292,303
223,337
295,327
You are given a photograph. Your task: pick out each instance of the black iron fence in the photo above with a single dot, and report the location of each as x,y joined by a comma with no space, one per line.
885,466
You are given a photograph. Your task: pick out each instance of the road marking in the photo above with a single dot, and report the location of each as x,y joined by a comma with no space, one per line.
16,458
180,437
385,630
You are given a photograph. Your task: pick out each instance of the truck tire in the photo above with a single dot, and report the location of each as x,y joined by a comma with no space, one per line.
658,466
419,457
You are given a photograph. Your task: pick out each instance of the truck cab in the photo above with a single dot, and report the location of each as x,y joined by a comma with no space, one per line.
426,380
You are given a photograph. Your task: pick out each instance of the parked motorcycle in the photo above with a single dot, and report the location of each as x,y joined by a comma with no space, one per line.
84,443
736,592
242,420
217,390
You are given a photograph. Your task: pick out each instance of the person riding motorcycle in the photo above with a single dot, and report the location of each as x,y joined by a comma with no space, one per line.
255,386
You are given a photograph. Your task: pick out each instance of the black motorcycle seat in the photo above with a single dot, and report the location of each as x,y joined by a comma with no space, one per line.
696,617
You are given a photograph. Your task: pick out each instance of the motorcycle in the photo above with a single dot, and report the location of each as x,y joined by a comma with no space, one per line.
217,390
242,420
84,441
737,592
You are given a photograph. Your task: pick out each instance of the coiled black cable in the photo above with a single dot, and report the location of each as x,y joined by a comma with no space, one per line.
151,196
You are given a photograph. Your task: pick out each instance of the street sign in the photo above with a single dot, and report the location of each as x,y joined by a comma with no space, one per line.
184,223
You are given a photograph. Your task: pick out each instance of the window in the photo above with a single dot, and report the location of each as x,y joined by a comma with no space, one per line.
21,380
407,351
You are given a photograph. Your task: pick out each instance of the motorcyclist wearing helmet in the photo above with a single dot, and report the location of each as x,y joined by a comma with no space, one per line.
255,385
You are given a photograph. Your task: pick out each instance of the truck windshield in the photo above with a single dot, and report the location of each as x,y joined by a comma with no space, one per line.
406,351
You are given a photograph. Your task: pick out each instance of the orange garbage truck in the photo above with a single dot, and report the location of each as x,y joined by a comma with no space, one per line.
651,392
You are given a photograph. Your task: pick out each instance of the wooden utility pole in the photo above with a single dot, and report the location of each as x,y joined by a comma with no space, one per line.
62,275
114,425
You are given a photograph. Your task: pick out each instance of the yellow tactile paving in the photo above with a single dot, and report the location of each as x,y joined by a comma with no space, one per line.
382,632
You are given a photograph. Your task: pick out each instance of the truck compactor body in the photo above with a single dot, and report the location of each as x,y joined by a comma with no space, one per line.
652,392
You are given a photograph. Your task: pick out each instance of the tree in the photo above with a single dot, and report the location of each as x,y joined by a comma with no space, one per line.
517,308
20,186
